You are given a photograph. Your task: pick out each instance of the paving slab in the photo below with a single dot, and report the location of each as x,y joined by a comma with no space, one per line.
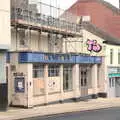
18,113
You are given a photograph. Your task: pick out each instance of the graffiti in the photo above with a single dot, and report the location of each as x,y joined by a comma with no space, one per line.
51,84
93,46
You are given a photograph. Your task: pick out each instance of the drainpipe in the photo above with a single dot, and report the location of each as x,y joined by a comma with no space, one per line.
119,4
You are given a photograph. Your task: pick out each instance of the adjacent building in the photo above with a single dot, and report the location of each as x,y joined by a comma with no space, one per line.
5,38
101,13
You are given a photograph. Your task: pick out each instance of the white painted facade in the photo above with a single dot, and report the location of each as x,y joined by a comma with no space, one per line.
36,42
79,45
47,89
113,72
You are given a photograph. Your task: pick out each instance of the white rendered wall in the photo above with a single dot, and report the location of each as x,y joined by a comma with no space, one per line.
37,42
78,44
5,35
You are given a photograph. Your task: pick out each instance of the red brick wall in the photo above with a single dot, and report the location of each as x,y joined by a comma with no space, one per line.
102,16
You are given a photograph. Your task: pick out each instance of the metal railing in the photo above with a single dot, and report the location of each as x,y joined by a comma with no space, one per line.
44,20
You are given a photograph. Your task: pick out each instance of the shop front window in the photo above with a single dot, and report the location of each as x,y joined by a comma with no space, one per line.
53,70
38,79
38,71
111,82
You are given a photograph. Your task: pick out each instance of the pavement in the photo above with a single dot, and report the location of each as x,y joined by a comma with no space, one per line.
92,104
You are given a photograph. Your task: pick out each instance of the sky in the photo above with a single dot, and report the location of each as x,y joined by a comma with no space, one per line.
114,2
70,2
64,4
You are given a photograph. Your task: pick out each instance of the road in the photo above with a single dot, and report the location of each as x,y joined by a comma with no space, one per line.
103,114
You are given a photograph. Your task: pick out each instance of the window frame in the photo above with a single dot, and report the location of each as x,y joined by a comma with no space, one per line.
39,69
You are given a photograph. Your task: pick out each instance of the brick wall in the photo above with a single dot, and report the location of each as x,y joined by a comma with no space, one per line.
102,16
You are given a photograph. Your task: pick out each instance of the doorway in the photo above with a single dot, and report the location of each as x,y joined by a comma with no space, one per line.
67,78
112,91
83,81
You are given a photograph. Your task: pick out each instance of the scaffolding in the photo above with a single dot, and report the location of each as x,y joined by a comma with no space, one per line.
39,16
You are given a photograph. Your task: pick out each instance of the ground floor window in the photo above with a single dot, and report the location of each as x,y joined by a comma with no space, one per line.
38,70
67,78
111,82
38,79
53,70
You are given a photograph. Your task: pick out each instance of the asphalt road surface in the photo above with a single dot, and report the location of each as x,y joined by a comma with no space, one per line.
102,114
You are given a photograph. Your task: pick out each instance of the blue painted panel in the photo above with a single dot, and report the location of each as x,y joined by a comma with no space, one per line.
36,57
56,58
98,59
88,59
59,58
23,57
19,84
45,58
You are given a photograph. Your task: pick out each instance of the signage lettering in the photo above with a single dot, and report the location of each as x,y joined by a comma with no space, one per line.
18,74
57,57
93,46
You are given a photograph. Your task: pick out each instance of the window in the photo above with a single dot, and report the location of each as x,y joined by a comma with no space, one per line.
53,70
110,81
38,79
23,38
67,78
119,56
113,82
111,56
82,83
85,82
38,71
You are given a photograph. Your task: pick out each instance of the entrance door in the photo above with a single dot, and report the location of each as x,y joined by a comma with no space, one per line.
83,81
111,87
67,78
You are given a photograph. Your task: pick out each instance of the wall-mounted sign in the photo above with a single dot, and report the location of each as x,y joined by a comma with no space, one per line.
114,75
18,74
57,57
19,84
34,57
93,46
113,70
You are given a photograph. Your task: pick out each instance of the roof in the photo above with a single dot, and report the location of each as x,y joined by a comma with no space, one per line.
110,6
97,31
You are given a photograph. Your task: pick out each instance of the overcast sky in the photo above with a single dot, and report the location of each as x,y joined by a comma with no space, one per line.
64,4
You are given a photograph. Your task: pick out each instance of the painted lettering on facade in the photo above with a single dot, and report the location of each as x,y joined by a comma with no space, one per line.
57,57
93,46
